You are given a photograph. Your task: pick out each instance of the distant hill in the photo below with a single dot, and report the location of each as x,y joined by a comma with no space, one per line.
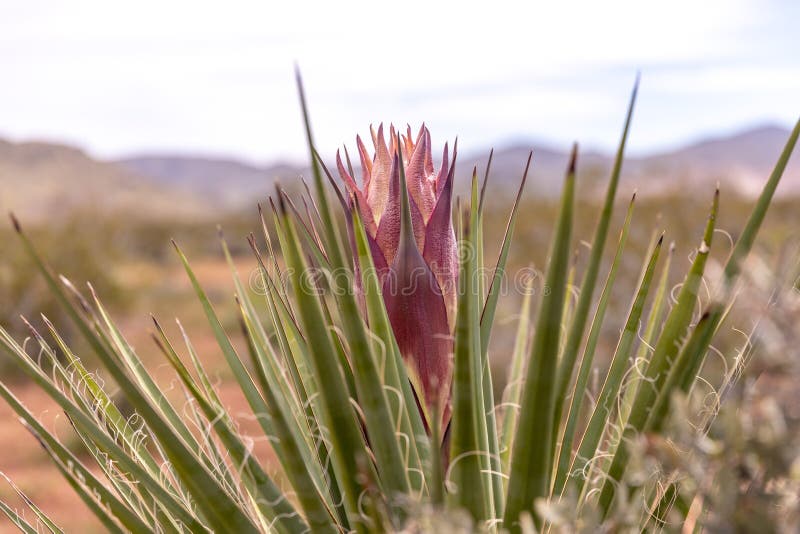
741,162
224,182
231,183
40,180
547,167
47,181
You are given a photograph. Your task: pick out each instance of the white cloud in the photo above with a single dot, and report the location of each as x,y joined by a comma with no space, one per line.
218,76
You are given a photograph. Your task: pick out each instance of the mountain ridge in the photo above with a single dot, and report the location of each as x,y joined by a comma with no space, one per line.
741,160
40,179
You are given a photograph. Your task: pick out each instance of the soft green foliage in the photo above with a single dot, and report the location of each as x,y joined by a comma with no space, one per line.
328,387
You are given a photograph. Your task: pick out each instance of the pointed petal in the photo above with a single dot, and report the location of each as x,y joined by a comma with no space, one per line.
366,162
441,180
441,250
392,139
443,172
420,133
345,175
418,316
378,259
409,143
366,213
374,135
419,186
428,156
378,190
388,234
381,267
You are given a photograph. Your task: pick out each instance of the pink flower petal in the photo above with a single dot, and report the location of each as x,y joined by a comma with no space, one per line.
420,133
428,156
444,172
366,163
366,213
378,260
419,186
418,316
408,144
378,190
388,234
392,139
441,250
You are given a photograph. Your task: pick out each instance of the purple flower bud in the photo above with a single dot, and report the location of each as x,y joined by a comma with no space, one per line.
418,269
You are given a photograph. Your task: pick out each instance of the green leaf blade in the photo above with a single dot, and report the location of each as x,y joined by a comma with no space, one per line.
532,450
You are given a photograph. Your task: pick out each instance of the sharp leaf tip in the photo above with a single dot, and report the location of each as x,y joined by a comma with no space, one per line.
15,222
573,159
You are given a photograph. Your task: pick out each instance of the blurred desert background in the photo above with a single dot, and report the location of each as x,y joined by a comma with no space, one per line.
122,130
110,223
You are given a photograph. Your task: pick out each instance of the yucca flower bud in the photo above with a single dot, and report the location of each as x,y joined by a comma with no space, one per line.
418,266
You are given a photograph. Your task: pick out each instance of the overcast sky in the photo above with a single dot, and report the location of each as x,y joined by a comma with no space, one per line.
217,77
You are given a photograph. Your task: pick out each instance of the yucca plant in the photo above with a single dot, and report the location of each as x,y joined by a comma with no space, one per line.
367,369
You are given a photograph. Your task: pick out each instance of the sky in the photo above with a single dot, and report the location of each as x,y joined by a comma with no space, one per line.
120,78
